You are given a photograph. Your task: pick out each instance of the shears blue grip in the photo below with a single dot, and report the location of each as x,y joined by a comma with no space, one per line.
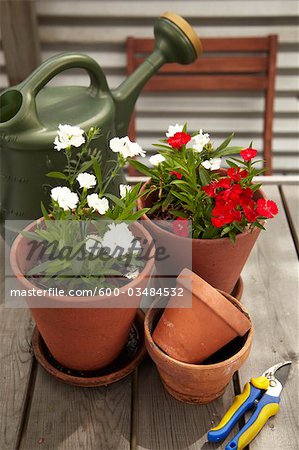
242,403
267,407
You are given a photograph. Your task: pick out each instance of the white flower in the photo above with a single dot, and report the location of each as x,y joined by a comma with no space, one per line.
132,274
156,159
64,197
86,180
212,164
118,237
200,140
101,205
68,136
172,129
93,244
124,189
125,147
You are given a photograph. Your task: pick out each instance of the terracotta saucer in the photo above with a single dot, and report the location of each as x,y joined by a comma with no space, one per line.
130,357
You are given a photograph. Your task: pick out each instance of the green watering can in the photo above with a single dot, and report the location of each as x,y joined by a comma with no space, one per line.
31,112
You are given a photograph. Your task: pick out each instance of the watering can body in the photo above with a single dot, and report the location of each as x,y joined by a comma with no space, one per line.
31,112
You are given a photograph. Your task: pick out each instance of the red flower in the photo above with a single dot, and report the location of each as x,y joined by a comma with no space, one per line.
232,194
224,213
245,196
179,139
180,227
250,211
236,173
224,183
179,175
210,189
266,208
248,153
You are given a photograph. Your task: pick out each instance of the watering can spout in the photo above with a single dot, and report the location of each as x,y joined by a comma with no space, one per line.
175,41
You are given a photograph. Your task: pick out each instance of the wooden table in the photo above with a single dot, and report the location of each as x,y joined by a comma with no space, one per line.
38,412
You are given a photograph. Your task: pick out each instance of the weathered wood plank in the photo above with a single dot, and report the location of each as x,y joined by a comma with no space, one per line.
271,295
64,417
15,367
165,423
291,197
19,38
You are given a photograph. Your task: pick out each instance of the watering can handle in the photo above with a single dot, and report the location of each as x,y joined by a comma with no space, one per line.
57,64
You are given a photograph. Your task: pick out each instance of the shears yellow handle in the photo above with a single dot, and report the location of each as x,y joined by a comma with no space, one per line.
242,403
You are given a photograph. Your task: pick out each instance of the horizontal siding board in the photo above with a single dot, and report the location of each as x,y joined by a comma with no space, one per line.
137,9
236,124
95,33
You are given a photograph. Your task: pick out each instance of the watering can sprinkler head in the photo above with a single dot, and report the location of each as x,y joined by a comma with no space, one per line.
176,39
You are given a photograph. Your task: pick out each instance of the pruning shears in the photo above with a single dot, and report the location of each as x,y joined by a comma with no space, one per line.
262,394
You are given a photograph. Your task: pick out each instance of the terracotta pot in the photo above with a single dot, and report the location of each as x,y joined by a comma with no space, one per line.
197,383
87,335
217,261
192,333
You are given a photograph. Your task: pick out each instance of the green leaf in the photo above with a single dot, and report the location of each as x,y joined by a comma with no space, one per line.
210,232
116,200
259,225
98,172
204,176
225,142
179,214
139,214
255,187
140,167
155,207
44,211
59,175
32,236
231,164
167,201
85,166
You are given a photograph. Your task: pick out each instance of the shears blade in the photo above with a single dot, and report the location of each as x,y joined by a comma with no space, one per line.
281,373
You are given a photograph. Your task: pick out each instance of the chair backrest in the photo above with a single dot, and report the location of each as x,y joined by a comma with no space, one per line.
228,64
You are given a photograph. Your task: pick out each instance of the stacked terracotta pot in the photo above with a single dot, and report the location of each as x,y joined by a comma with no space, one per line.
182,338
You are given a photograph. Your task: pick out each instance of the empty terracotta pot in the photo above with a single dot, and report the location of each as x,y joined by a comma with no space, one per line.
217,261
88,335
197,383
199,323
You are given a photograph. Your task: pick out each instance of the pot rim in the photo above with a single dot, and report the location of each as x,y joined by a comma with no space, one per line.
28,285
173,361
202,241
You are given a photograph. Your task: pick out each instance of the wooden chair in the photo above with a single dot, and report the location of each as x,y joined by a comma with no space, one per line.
228,64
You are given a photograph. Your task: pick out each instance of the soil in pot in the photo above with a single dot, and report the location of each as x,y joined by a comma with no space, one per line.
197,383
217,261
198,321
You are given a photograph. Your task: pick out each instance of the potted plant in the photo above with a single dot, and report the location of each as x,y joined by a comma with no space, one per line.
87,257
225,208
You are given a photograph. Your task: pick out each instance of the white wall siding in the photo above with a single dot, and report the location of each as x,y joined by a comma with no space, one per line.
100,28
